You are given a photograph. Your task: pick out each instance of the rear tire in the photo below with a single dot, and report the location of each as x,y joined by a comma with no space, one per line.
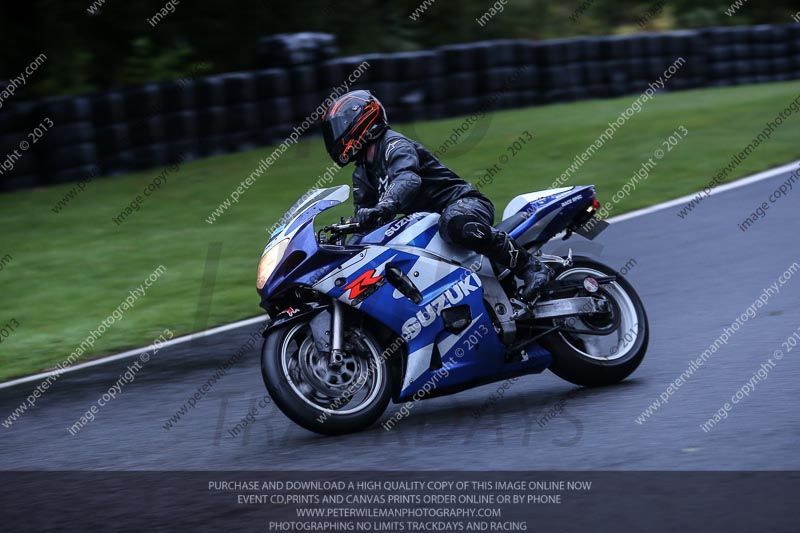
304,387
576,358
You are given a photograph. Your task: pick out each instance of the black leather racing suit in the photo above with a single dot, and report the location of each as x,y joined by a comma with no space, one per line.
400,169
403,174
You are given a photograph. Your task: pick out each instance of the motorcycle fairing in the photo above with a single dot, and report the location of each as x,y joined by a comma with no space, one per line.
305,262
420,230
444,274
442,285
535,218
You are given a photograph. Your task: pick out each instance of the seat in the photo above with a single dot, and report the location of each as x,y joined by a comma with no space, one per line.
507,225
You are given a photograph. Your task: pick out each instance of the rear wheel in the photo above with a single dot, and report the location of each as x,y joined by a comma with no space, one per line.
320,396
600,348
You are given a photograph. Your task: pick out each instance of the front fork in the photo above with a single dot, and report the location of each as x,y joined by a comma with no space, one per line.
337,333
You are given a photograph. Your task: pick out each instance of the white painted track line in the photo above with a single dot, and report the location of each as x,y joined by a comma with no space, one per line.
136,351
743,182
771,173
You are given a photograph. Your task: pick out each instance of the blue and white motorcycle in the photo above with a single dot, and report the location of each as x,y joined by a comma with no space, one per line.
357,319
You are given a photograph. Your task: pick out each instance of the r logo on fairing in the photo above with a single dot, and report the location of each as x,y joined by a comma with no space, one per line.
452,296
365,284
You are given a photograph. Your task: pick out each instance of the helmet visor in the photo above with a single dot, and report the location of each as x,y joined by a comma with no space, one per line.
334,127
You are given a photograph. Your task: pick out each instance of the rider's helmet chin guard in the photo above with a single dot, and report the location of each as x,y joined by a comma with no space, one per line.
351,122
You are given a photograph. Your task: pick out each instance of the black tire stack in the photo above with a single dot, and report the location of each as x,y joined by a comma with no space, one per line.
563,74
380,77
753,54
67,151
616,53
527,79
793,32
130,129
418,84
292,85
462,79
242,130
181,120
212,119
504,74
274,105
289,49
15,124
154,125
304,87
729,55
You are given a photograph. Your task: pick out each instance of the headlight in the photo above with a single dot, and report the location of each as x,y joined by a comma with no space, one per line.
269,261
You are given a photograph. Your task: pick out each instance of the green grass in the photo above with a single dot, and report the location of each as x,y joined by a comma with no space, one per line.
70,270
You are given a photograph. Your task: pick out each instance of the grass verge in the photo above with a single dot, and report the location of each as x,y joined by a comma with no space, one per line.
69,270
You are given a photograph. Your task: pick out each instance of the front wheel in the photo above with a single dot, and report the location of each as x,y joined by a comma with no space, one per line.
321,397
601,348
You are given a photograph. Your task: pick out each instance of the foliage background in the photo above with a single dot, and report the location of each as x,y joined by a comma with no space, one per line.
116,46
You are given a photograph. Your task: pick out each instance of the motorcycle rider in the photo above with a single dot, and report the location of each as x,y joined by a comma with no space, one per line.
395,174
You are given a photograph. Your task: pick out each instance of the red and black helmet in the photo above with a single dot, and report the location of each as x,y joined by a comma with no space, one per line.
351,122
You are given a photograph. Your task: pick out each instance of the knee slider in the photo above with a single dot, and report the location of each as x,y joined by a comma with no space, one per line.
476,235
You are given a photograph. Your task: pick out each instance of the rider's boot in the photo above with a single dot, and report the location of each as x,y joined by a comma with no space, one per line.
527,267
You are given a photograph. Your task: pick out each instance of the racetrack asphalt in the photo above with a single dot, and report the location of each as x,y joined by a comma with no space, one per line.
695,275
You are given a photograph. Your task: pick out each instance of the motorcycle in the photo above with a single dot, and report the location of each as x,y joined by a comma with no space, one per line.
359,317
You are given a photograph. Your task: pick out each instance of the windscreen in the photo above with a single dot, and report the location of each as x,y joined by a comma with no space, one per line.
338,194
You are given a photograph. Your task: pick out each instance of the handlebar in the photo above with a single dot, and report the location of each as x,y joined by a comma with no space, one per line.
346,227
338,231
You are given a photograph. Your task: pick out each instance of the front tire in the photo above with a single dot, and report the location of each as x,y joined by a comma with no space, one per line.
317,396
608,358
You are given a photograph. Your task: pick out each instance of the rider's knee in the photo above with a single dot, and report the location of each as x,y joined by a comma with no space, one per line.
450,227
476,235
465,231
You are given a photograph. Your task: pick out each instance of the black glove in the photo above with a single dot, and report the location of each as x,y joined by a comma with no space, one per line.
370,217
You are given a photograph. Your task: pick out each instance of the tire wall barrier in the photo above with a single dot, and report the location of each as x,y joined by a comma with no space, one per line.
156,124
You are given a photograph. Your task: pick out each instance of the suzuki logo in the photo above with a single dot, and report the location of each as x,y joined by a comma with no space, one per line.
452,296
400,223
394,228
